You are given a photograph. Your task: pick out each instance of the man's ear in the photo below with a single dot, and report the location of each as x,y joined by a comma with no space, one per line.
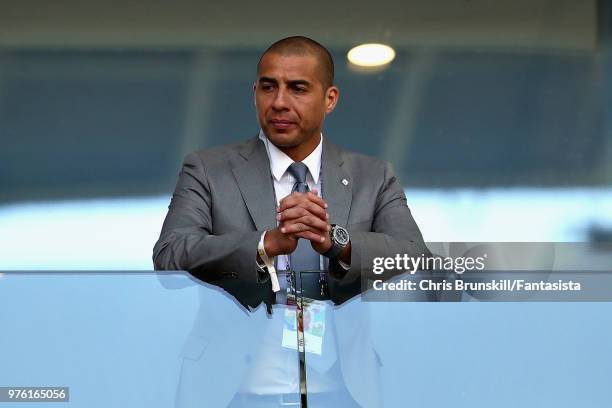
332,95
254,89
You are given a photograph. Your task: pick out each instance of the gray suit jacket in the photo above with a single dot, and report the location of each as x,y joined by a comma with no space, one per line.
224,200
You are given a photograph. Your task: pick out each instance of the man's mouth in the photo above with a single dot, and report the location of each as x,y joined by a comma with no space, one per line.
282,124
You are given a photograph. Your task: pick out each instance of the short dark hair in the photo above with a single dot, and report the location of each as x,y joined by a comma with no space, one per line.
300,45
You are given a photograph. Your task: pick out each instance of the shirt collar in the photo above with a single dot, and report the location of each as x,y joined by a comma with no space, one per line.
280,162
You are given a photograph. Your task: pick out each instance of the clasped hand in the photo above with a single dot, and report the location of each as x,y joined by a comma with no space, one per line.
299,215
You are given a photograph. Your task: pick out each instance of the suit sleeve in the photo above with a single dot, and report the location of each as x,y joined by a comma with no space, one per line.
393,231
186,241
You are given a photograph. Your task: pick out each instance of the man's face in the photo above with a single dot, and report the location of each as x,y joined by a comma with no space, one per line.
291,100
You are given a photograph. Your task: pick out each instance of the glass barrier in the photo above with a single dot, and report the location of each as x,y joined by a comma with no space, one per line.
142,339
419,353
169,340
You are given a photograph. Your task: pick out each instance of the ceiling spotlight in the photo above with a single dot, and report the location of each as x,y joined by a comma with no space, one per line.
371,55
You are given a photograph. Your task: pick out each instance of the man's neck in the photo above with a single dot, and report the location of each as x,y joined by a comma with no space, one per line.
300,152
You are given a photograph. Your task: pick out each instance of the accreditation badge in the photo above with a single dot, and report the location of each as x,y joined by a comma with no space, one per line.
312,324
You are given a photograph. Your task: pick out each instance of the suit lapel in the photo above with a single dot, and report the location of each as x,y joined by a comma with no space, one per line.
336,184
255,183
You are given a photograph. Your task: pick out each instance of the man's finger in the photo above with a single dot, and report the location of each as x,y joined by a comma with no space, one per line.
311,236
292,228
311,221
312,195
302,210
296,198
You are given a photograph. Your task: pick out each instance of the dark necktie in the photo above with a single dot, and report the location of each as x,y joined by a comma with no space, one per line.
304,258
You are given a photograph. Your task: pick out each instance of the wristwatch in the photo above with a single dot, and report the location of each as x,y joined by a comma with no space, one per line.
339,238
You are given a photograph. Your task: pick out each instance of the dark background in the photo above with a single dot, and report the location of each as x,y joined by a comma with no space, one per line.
105,101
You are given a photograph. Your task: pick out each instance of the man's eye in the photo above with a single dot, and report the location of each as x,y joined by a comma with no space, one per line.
266,87
300,89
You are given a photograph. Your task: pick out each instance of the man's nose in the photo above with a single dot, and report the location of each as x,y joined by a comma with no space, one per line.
280,100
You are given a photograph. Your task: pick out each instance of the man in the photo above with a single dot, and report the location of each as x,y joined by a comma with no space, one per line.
224,200
288,198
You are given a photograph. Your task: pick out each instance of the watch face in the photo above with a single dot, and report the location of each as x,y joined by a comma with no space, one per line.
341,236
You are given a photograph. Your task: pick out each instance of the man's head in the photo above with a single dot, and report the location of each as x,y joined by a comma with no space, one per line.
302,46
293,93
